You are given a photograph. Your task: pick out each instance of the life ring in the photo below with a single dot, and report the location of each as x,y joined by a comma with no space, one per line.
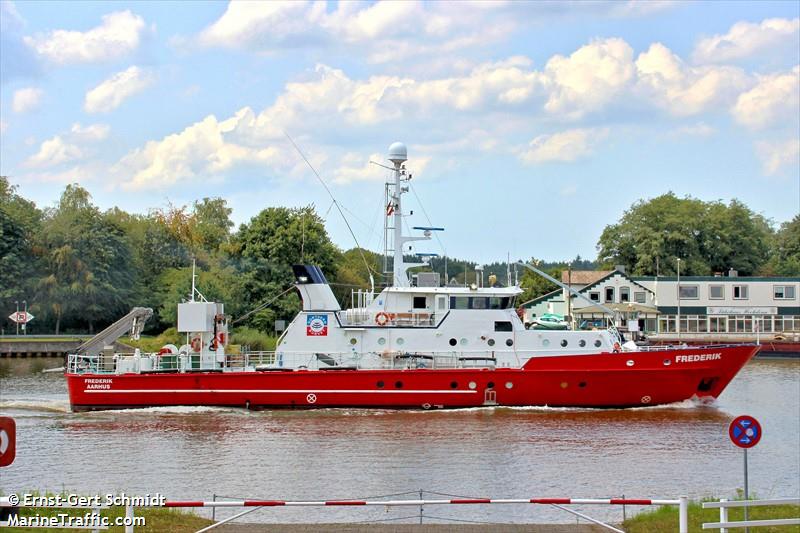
196,344
221,337
617,347
382,319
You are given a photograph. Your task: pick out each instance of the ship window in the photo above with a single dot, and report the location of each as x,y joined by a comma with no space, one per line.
581,343
420,302
509,342
546,342
380,384
463,341
453,384
459,302
564,343
490,342
478,302
490,385
453,342
398,384
353,341
496,302
503,325
400,340
382,341
597,343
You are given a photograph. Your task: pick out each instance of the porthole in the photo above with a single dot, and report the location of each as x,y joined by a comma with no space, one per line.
453,342
453,384
667,362
353,341
564,384
564,342
509,385
380,384
490,342
582,384
546,342
472,385
464,341
398,384
509,342
582,343
597,343
382,341
400,340
490,385
629,362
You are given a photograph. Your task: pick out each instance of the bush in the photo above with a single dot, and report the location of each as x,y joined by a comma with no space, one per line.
256,340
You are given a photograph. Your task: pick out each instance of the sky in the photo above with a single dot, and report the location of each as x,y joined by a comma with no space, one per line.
529,126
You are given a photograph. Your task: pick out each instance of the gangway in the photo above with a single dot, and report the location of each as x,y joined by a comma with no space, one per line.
133,322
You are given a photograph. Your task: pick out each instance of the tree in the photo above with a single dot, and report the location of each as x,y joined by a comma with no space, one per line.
270,244
535,285
785,258
707,236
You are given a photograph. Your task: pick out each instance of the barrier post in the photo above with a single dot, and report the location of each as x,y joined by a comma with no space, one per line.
723,515
129,518
420,506
214,509
683,515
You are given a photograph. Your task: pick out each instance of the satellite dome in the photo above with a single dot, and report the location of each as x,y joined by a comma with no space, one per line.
398,152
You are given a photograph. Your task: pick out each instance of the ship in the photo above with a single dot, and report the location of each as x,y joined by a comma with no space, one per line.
419,343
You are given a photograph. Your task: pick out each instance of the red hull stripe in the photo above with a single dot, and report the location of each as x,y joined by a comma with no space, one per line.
275,391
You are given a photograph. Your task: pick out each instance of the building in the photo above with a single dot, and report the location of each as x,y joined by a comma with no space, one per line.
708,308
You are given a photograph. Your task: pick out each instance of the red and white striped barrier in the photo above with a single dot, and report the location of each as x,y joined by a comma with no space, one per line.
417,503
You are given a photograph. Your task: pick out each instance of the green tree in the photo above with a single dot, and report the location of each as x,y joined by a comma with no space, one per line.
707,236
534,285
269,245
785,257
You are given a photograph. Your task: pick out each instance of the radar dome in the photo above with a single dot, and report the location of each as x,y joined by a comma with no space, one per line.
398,152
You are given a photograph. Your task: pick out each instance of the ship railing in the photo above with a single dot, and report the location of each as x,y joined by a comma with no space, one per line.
369,317
682,346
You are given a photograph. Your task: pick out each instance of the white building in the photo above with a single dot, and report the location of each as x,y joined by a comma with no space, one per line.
707,307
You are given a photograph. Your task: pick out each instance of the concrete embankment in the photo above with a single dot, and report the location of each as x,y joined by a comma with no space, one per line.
45,346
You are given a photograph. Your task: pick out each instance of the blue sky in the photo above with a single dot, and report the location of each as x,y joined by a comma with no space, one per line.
530,126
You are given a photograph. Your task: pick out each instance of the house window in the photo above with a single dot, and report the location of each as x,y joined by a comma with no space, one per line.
740,292
420,302
639,297
610,294
718,324
594,296
716,292
624,294
783,292
688,292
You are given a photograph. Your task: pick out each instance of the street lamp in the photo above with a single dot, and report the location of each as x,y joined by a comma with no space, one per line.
17,315
679,299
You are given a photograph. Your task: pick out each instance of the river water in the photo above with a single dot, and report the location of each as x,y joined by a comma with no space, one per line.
192,453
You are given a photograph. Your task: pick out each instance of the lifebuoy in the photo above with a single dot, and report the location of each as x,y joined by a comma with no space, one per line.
217,341
196,345
381,318
221,337
617,347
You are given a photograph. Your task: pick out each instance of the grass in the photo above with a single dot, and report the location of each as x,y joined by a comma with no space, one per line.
665,519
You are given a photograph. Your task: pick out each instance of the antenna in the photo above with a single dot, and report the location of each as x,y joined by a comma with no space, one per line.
346,222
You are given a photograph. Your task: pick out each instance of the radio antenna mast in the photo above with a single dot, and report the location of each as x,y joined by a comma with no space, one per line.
346,222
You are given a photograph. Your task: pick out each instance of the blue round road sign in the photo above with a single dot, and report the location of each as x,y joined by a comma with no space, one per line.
745,431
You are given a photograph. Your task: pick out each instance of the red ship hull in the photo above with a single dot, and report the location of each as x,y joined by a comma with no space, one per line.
598,380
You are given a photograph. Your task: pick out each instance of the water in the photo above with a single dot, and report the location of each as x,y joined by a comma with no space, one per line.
192,453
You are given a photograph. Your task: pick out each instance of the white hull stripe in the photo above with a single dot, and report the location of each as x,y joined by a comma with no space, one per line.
275,391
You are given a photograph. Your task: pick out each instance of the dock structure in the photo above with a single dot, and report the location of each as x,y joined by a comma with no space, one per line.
19,346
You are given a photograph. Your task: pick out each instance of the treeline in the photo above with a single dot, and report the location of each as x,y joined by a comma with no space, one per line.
79,268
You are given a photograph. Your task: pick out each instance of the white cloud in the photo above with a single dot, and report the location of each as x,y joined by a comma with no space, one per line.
774,99
667,81
67,147
119,34
563,146
112,92
589,78
700,129
27,99
745,39
778,155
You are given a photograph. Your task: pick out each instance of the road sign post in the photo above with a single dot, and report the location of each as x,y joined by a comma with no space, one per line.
745,432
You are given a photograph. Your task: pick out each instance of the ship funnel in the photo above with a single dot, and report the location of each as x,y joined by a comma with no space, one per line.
398,153
314,289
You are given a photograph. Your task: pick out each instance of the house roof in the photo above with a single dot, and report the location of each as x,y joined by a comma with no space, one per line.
612,274
583,277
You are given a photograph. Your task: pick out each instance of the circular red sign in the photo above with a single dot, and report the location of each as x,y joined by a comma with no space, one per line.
745,431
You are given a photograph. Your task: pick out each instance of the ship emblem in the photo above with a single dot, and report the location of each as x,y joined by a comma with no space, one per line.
311,398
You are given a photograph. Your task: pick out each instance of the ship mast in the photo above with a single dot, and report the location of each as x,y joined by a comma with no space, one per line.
399,155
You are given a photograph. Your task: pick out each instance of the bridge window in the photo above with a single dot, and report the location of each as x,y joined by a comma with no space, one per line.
479,302
420,302
503,325
496,302
459,302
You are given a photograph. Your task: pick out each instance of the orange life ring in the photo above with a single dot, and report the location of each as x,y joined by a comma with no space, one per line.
381,319
617,347
196,345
